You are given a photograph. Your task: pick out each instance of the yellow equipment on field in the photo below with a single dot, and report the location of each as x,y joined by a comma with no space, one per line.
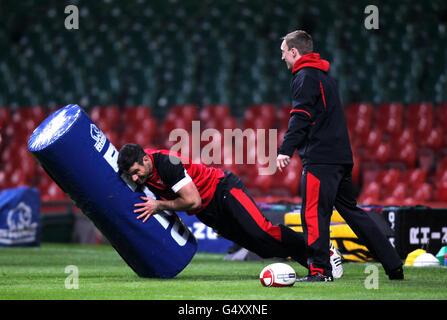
342,236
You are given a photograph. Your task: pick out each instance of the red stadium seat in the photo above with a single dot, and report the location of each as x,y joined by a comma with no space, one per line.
28,165
261,123
415,177
249,172
382,154
249,117
188,112
144,133
37,113
21,127
8,155
221,110
397,195
423,193
389,117
5,116
106,117
433,140
441,191
373,140
7,169
286,183
356,169
230,167
370,175
172,122
53,193
426,158
419,116
206,114
142,139
149,127
370,193
441,175
359,112
217,111
406,136
179,117
263,110
259,116
418,110
441,165
441,115
3,180
114,138
17,178
389,180
134,115
211,123
292,183
359,132
262,184
281,134
405,154
228,122
355,111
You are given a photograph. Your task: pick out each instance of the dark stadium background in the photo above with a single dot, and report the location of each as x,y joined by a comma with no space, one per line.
142,68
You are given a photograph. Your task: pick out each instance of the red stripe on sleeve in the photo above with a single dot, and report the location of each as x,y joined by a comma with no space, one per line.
322,94
300,110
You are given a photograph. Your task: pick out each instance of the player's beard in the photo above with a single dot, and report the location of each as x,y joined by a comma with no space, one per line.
142,180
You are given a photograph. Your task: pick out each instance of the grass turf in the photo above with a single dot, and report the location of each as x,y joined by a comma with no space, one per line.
39,273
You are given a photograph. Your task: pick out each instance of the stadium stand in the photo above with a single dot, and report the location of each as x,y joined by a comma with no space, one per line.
398,174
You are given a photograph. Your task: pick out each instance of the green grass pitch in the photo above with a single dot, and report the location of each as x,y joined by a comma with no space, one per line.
39,273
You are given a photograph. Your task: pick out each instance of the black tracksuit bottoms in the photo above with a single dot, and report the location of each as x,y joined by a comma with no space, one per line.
233,214
323,188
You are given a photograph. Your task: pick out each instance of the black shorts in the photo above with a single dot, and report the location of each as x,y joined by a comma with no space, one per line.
234,215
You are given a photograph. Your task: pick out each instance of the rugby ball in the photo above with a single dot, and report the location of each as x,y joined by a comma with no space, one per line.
277,275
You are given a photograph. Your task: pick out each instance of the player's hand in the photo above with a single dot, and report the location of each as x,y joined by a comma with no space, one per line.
282,161
146,208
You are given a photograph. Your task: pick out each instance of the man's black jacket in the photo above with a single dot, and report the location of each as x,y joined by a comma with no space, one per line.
317,126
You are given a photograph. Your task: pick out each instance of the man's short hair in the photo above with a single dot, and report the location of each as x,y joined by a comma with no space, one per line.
300,40
128,155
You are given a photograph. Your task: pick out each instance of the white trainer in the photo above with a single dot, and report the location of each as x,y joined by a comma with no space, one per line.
336,261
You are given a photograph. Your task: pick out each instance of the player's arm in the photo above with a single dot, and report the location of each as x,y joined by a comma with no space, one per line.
188,199
173,173
295,134
304,96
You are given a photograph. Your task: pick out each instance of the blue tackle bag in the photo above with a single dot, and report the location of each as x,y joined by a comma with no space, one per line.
83,162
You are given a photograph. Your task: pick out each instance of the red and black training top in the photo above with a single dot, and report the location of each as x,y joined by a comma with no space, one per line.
317,126
171,172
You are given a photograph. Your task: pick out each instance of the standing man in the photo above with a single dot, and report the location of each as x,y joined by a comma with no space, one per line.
317,128
217,197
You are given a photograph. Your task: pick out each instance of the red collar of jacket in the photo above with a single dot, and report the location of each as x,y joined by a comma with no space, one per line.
311,60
